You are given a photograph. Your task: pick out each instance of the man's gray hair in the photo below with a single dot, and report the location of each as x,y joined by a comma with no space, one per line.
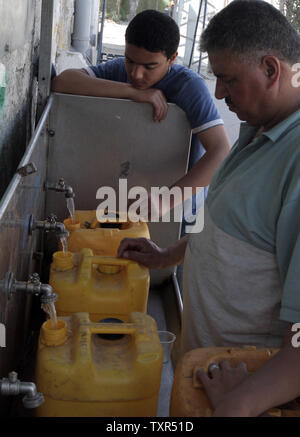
252,28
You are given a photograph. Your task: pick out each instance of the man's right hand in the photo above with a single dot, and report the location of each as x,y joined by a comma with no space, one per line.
144,252
153,96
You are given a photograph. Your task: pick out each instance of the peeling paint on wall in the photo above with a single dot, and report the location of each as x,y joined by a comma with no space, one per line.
16,19
2,85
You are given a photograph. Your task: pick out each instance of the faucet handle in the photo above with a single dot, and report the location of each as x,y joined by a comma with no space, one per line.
61,182
52,218
34,278
13,377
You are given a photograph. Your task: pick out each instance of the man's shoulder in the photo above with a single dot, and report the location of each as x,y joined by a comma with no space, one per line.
288,132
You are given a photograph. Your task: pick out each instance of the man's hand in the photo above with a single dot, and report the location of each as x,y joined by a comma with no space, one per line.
144,252
153,96
223,380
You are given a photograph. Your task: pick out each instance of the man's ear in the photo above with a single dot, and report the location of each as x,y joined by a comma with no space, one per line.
172,59
271,68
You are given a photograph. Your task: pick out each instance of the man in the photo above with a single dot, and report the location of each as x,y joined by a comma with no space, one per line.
149,74
241,272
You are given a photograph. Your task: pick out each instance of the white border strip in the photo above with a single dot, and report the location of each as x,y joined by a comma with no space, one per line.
90,72
205,126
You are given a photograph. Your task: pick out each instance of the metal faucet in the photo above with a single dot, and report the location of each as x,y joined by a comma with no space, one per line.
51,224
9,285
61,187
11,386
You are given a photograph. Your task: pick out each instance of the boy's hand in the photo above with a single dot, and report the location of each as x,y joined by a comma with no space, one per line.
156,98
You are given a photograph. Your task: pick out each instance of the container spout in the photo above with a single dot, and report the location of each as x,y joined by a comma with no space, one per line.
61,187
11,386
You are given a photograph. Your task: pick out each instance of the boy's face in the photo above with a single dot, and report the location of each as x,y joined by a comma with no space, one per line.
145,68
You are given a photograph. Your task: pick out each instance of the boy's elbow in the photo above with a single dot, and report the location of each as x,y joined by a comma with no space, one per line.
55,84
58,83
68,81
61,81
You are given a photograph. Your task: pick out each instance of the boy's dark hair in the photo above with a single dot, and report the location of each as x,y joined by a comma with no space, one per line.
252,28
153,31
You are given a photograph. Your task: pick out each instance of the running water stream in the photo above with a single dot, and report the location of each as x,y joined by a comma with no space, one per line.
64,244
50,310
71,208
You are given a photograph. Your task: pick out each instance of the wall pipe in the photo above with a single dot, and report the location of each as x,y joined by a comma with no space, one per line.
44,74
203,26
94,22
26,158
82,25
100,37
195,33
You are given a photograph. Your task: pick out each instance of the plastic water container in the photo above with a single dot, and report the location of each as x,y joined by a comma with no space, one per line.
84,374
102,238
102,286
188,398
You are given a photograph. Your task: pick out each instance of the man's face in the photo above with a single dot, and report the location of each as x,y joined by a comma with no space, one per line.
145,68
242,85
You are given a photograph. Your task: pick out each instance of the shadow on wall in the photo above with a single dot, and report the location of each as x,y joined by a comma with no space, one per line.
13,141
16,24
2,86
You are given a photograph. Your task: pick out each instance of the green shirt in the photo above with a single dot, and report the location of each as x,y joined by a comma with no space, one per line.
255,197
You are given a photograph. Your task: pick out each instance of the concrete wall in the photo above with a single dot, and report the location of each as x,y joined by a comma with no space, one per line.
19,46
19,37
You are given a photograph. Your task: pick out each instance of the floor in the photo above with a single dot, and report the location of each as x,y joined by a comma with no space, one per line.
155,310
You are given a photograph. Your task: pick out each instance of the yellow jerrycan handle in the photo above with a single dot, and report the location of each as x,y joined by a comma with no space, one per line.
110,265
113,328
106,264
141,337
86,329
133,329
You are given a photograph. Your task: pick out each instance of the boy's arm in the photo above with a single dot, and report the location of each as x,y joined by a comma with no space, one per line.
77,81
216,144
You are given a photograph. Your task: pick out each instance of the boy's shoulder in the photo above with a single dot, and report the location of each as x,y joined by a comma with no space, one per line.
181,81
179,70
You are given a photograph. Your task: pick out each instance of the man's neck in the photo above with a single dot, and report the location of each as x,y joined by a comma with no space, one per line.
287,108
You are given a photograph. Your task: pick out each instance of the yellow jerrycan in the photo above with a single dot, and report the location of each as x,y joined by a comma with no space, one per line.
188,398
87,369
103,238
102,286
